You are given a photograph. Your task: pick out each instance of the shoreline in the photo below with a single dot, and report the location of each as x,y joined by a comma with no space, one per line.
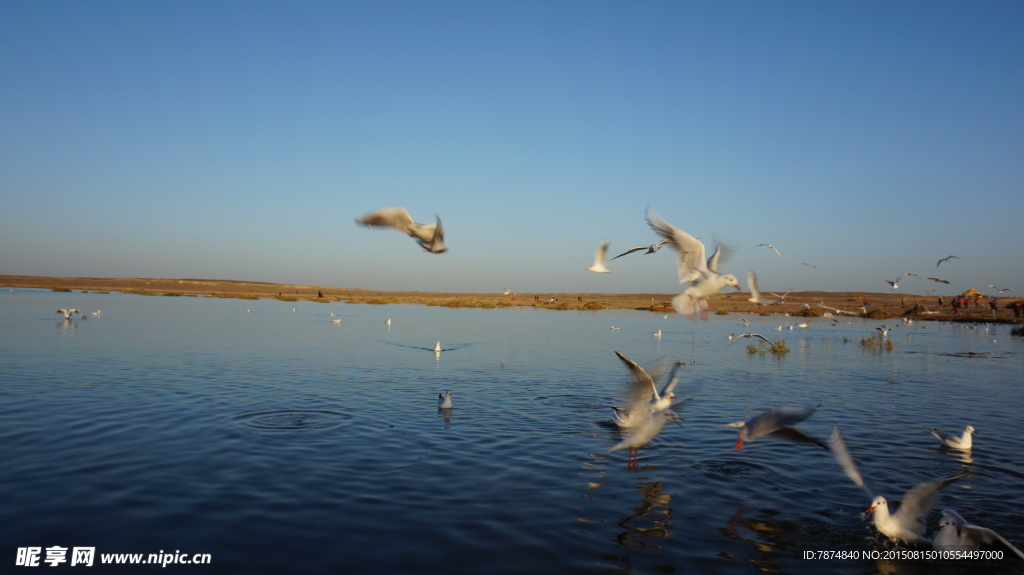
881,305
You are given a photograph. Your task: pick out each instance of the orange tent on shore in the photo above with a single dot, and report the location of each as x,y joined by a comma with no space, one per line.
971,293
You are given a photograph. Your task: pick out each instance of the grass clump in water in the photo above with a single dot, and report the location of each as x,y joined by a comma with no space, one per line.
876,343
777,347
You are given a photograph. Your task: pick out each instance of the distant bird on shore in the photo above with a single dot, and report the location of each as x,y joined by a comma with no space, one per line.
650,249
430,237
67,313
950,440
946,259
702,276
771,247
600,256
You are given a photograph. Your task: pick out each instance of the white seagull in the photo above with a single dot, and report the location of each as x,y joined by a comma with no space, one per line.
650,249
950,440
777,422
770,246
429,236
884,330
702,276
940,280
956,534
644,383
1000,290
748,335
907,523
755,293
437,348
67,312
444,400
947,258
599,259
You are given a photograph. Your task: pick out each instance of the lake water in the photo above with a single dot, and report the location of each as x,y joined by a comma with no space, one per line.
278,441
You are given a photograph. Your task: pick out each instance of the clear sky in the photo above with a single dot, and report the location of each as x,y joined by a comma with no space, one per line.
239,140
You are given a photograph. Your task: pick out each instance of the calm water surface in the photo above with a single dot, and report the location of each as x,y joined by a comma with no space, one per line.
280,442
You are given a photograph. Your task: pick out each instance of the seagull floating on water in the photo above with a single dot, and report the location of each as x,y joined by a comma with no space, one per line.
437,348
949,440
650,249
770,246
907,523
429,236
702,276
67,313
956,534
945,259
599,259
777,422
444,400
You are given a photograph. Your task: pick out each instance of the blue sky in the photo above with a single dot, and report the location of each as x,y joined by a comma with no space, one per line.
239,140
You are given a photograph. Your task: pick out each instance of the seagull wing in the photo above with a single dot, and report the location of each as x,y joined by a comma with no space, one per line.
837,445
972,535
631,250
691,251
643,391
394,217
795,435
920,499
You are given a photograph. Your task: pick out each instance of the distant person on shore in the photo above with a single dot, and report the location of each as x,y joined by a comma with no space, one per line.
993,306
319,294
1016,309
940,301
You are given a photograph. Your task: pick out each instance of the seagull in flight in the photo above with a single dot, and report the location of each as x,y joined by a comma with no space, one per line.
429,236
946,259
777,422
755,293
956,534
771,247
650,249
814,267
884,330
600,258
628,417
67,312
907,523
1000,290
702,276
749,335
940,280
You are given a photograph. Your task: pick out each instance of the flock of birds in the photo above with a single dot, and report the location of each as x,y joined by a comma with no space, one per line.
648,410
700,274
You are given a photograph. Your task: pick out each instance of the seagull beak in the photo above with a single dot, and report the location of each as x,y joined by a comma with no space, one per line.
737,286
870,509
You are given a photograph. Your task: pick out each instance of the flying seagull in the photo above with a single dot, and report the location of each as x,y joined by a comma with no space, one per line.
770,246
67,312
907,523
956,534
749,335
702,276
809,265
599,259
776,422
650,249
945,259
940,280
628,417
429,236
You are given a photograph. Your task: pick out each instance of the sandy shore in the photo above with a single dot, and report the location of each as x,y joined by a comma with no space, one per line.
880,304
